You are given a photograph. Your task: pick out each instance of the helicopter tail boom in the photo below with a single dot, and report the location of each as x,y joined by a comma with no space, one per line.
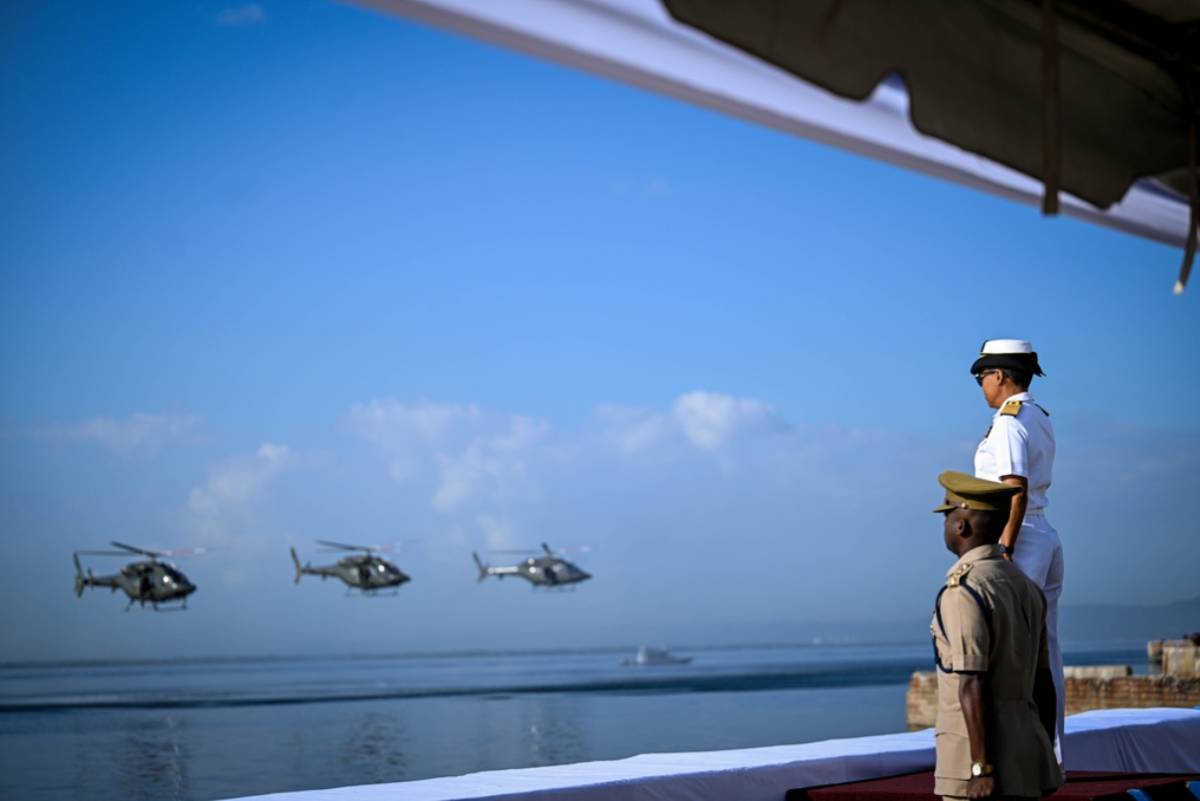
84,579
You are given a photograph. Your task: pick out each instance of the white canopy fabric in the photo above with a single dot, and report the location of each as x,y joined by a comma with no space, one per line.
635,41
1129,740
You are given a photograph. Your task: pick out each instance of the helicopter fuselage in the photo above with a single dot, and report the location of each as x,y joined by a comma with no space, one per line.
145,582
540,571
365,572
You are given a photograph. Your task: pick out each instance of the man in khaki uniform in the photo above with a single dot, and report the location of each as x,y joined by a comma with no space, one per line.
996,700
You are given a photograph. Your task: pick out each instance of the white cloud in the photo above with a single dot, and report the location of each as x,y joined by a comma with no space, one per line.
475,455
479,462
503,477
223,513
710,419
633,430
140,432
707,421
242,16
238,480
500,535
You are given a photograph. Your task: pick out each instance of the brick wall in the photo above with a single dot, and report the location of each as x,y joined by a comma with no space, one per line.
922,700
1132,691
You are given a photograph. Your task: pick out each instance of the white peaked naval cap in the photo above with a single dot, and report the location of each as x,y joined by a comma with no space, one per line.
1013,354
1004,347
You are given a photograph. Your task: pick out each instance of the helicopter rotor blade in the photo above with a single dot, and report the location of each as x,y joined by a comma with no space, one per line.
135,549
103,553
379,547
341,546
197,551
544,549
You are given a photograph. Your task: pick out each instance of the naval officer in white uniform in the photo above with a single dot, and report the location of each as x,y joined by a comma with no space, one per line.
1018,449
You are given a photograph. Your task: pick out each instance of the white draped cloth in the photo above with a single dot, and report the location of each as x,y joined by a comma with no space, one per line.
1129,740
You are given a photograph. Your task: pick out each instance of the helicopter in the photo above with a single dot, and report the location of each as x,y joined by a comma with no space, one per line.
150,581
549,570
363,571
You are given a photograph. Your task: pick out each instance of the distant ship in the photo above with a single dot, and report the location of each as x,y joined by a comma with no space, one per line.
647,656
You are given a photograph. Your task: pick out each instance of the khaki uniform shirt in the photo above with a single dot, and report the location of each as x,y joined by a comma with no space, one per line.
990,619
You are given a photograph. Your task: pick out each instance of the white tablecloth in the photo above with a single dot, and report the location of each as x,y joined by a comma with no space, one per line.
1134,740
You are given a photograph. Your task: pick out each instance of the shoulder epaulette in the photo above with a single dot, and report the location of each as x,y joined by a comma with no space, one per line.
1012,408
955,578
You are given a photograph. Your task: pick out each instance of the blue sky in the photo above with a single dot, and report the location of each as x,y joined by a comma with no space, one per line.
282,272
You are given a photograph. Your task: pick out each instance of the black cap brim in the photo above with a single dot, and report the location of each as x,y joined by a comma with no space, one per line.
1028,362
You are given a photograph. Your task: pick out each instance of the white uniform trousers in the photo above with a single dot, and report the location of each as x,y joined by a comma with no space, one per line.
1039,554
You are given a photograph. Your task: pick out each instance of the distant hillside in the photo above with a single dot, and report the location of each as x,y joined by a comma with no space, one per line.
1116,622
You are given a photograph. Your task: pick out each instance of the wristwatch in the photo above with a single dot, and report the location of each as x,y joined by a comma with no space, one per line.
1004,548
981,769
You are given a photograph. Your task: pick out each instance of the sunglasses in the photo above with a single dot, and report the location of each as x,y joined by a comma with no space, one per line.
983,374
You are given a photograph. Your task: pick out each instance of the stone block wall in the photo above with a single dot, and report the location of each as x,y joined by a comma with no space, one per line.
1154,648
1180,660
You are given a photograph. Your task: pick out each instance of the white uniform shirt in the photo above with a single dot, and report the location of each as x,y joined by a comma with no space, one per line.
1019,445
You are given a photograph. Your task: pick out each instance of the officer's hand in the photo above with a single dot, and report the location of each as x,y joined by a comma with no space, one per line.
981,786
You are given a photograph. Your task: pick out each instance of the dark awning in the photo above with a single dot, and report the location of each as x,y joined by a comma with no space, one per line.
1085,95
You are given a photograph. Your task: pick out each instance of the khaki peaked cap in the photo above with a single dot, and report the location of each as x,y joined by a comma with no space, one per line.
967,492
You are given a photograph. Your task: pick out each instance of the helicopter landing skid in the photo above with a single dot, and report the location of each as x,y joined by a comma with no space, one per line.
371,594
158,608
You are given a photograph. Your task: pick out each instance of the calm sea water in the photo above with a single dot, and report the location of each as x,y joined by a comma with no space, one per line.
207,730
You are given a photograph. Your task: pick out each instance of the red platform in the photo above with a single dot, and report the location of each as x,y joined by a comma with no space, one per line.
1080,786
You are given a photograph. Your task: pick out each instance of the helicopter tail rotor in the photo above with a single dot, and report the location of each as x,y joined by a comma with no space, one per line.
79,579
83,579
483,569
299,567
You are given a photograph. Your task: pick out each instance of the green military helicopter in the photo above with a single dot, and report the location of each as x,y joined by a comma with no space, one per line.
365,571
148,581
548,570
